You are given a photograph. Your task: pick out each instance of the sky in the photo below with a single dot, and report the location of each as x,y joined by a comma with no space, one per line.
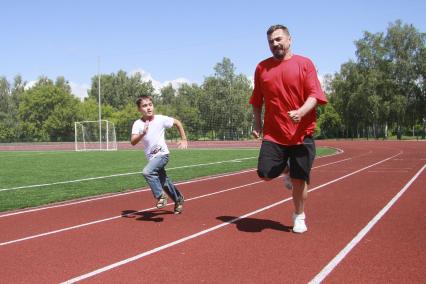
181,41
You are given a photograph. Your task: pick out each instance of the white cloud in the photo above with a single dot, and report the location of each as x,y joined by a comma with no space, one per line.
79,90
176,83
30,84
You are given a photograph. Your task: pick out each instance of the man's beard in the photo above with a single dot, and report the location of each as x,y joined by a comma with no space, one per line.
278,54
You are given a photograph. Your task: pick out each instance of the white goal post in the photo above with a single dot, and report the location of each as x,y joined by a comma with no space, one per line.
95,135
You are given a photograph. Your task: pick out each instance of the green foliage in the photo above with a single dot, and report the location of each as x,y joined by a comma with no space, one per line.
47,113
385,87
123,121
118,90
329,123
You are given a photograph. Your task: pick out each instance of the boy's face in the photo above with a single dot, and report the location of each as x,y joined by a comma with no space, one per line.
146,108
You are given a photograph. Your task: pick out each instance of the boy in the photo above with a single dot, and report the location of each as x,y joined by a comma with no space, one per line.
150,129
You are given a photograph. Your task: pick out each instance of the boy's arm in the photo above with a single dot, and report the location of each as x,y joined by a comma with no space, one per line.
183,144
135,138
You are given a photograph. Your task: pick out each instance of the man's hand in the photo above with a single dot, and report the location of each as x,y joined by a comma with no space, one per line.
183,144
295,115
256,134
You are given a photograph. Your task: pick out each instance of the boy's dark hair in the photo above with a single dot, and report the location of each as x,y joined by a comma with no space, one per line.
277,27
141,98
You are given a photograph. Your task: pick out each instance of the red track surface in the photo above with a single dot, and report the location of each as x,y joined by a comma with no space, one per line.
348,191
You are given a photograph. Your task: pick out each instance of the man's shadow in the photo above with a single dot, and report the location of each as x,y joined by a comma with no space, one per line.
145,215
252,225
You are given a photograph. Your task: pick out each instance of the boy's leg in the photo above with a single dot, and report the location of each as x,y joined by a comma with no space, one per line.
151,172
171,190
169,187
175,194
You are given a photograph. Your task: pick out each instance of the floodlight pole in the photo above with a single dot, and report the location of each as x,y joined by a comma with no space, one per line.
99,100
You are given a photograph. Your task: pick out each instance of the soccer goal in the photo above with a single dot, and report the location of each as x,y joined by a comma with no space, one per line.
97,135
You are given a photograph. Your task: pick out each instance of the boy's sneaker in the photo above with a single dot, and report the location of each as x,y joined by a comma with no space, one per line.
161,201
179,205
287,182
299,225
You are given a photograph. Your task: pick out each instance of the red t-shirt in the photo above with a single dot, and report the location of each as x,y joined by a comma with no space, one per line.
285,85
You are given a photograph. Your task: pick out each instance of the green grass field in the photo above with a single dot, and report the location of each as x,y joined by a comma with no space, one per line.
29,179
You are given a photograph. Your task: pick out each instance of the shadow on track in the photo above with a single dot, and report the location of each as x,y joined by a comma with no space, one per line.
145,215
252,225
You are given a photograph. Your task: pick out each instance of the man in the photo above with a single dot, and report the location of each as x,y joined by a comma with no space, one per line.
288,86
150,129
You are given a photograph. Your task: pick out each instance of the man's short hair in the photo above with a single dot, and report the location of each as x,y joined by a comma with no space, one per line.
141,98
277,27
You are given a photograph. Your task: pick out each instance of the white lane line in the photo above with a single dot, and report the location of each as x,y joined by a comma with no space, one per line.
116,217
120,216
137,191
121,175
157,249
342,254
119,194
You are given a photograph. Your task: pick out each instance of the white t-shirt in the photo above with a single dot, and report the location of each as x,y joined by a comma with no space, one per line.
154,143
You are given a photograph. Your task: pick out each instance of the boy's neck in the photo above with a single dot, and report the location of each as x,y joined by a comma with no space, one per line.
147,118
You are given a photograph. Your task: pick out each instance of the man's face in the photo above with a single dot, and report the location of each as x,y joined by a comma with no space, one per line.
146,108
279,43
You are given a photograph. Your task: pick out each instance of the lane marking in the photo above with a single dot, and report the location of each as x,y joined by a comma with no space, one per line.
345,251
121,175
137,191
120,194
120,216
203,232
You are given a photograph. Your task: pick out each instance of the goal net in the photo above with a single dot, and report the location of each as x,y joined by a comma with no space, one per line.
95,136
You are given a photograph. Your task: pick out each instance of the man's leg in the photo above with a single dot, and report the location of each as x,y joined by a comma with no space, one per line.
271,162
300,193
302,158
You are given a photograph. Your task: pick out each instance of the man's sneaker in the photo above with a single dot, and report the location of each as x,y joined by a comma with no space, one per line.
287,182
161,201
299,225
179,205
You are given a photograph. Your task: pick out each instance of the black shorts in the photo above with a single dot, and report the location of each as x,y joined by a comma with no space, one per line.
273,159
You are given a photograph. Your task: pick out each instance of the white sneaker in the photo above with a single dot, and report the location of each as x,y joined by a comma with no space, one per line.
287,182
299,225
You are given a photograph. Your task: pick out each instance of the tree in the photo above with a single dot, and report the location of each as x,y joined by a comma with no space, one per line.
9,100
47,113
118,90
385,86
224,102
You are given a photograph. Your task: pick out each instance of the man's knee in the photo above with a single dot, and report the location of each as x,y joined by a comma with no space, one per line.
266,176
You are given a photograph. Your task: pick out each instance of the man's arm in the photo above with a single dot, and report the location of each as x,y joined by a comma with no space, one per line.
183,144
310,104
257,112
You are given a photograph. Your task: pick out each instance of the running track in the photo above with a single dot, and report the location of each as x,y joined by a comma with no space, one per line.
365,215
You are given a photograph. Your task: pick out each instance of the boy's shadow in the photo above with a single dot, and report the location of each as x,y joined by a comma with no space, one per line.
252,225
145,215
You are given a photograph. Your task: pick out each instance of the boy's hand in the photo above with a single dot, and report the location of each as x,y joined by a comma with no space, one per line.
145,129
183,144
